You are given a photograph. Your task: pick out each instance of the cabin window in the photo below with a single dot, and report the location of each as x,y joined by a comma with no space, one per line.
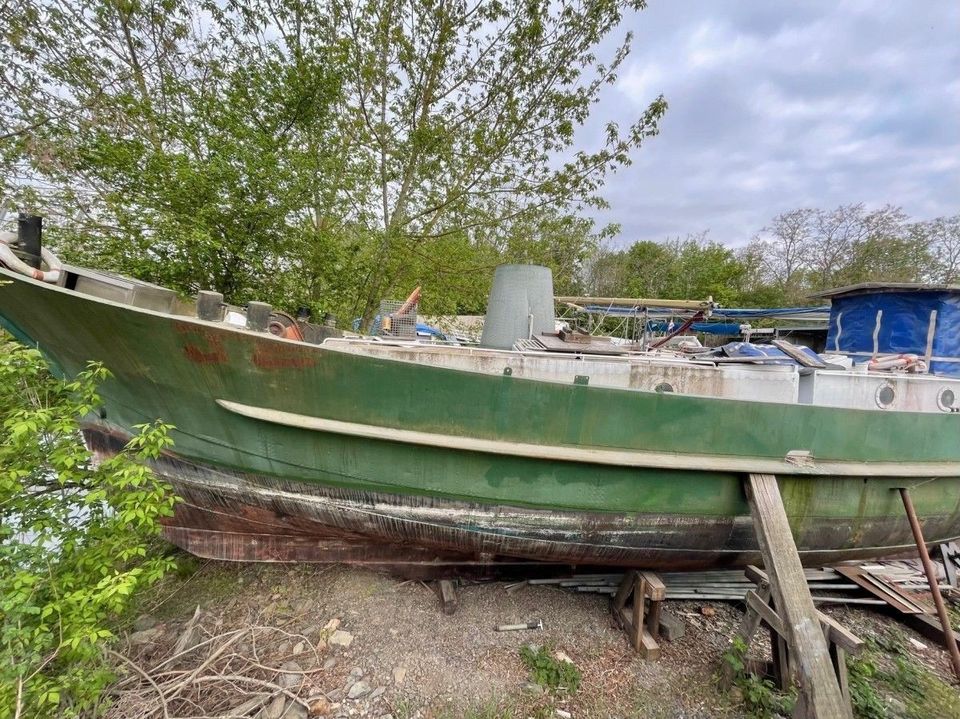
946,400
885,396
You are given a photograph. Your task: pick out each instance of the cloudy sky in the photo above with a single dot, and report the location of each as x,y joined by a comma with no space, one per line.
779,105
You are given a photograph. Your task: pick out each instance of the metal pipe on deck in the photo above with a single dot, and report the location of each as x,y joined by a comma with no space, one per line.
707,304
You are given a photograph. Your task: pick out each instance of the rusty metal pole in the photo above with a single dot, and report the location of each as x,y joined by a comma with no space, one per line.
948,636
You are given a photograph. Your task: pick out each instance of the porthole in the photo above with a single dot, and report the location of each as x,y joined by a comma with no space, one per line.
663,387
885,396
947,400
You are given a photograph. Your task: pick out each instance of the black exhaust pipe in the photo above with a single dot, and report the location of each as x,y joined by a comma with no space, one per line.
29,238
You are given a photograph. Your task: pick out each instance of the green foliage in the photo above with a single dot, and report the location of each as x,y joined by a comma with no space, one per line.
324,154
803,251
550,672
861,677
692,268
886,682
75,536
760,697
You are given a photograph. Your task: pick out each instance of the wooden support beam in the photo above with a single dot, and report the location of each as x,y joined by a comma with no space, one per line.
748,627
623,592
834,631
766,612
448,596
639,596
948,553
649,647
839,635
656,589
948,637
642,625
820,694
839,659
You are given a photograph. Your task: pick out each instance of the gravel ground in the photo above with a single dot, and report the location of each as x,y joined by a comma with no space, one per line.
408,659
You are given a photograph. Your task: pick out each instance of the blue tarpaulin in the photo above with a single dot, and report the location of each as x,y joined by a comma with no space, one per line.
710,328
748,349
745,313
912,321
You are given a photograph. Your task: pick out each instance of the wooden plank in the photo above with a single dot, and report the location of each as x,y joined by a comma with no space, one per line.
882,590
653,618
778,647
784,658
781,662
626,584
708,595
798,355
639,598
766,613
448,596
656,589
819,686
839,635
649,647
839,658
756,575
948,551
626,622
748,627
836,632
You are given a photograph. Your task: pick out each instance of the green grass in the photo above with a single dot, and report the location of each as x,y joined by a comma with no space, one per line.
886,682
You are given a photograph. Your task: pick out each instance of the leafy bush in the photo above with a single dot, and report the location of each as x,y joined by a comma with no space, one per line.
548,671
74,536
761,698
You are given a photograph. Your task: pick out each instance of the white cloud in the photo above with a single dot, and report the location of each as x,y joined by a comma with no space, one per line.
775,106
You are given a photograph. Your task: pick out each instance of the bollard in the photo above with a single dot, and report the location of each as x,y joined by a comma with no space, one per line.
258,316
209,306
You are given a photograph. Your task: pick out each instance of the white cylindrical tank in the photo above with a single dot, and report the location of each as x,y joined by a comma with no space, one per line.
520,305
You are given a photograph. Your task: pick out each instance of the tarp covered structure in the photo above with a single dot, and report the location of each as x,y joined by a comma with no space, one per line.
877,319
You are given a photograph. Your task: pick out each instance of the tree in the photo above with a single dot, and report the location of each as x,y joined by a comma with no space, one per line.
784,247
689,268
890,250
461,112
75,537
809,250
189,144
832,242
306,152
941,236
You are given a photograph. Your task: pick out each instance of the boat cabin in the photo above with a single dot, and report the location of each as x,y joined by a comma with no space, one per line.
876,319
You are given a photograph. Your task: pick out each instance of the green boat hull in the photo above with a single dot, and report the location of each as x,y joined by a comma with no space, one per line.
279,444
